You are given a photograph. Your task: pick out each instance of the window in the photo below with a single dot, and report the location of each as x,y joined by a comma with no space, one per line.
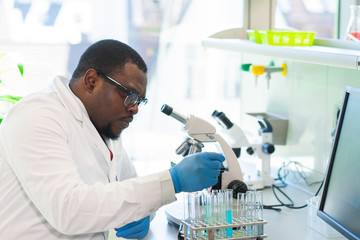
307,15
188,77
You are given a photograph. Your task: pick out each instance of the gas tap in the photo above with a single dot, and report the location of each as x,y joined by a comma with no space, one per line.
258,70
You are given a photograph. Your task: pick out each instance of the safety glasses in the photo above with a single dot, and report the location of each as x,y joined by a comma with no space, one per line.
132,98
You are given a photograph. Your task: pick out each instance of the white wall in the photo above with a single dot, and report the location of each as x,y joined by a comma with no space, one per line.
308,96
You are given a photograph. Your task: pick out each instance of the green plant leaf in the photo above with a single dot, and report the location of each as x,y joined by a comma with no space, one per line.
9,98
21,68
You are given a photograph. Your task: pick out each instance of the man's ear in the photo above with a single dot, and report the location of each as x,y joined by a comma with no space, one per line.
90,80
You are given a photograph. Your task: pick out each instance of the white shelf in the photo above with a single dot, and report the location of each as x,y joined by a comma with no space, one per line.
335,53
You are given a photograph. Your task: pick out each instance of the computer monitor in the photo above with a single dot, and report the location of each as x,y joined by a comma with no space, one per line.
340,202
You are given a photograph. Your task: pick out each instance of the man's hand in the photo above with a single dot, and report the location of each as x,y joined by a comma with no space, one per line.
134,230
196,172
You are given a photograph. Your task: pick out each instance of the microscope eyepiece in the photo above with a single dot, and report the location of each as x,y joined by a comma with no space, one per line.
215,113
166,109
170,112
222,119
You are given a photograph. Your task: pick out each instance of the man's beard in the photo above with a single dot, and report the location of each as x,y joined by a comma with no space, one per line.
107,132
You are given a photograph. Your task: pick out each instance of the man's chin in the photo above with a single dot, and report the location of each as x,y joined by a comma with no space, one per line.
114,137
111,134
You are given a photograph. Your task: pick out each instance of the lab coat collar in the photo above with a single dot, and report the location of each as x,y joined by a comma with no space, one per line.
71,102
77,109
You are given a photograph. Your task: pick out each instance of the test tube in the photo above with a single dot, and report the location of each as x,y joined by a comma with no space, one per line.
229,210
197,207
250,212
186,207
259,212
241,212
192,208
209,210
239,206
202,197
200,214
210,214
221,212
187,210
215,207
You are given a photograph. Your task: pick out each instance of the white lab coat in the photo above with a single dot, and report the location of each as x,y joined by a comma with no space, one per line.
56,177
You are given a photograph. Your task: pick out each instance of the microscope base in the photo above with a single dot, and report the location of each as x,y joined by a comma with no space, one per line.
256,173
175,212
259,184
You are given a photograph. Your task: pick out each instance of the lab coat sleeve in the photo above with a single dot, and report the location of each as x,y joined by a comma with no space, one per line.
126,170
37,151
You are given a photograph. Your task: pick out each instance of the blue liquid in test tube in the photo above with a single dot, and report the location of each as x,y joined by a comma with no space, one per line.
229,221
229,207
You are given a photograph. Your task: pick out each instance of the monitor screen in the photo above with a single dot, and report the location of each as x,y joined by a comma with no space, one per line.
340,202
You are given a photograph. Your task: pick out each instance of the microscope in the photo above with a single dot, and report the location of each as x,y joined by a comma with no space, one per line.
262,149
200,131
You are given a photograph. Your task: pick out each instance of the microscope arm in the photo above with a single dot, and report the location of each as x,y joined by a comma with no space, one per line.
231,163
234,169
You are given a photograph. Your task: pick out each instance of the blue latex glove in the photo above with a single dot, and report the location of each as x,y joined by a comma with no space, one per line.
134,230
196,172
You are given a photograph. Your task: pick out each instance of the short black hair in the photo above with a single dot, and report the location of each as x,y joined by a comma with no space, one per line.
108,56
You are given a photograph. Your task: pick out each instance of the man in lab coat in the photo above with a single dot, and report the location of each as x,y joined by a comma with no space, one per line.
63,171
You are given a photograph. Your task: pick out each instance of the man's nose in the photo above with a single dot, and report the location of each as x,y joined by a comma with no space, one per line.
133,109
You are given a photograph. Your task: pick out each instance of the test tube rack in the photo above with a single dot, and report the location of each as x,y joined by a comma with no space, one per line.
194,229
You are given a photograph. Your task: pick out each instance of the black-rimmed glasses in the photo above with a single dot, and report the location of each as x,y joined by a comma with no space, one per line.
132,98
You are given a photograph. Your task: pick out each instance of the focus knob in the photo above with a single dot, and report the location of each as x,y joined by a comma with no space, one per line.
238,187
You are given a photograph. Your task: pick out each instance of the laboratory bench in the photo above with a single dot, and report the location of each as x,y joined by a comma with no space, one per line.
286,224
